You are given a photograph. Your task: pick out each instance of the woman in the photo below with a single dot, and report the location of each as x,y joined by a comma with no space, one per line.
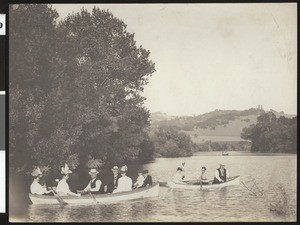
178,176
124,182
63,187
36,187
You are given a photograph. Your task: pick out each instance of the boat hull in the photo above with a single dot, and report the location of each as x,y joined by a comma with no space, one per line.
146,192
232,182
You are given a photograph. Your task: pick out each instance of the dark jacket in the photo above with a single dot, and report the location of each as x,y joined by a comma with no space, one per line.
110,183
148,180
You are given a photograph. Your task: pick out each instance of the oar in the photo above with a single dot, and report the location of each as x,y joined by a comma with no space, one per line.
59,199
90,193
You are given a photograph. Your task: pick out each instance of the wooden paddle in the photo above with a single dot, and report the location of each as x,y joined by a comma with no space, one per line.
91,194
201,185
59,199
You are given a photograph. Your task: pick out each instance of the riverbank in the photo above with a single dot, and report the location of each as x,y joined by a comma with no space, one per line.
242,153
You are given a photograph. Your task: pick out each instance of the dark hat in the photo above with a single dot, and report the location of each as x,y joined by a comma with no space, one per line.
145,171
179,168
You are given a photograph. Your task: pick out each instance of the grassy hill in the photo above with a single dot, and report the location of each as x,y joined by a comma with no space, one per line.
218,125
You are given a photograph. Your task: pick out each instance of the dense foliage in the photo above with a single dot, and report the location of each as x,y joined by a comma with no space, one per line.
169,142
272,134
75,90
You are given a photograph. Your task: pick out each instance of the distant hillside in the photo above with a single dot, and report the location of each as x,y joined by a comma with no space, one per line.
227,124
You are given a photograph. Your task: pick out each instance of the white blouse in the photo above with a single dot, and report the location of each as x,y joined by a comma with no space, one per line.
36,188
63,187
124,184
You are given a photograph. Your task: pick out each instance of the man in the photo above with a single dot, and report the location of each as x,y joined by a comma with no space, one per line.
148,179
36,187
221,175
95,183
112,182
203,177
62,186
124,182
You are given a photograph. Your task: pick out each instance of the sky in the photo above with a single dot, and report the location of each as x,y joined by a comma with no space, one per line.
213,56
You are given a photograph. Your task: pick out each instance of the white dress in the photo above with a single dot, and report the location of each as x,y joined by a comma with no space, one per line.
178,178
124,184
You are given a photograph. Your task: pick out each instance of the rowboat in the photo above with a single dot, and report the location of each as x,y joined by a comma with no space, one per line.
151,191
195,185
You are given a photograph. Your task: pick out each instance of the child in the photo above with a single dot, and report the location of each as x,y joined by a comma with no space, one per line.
140,180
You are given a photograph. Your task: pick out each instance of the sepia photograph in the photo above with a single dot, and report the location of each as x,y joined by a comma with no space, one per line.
152,112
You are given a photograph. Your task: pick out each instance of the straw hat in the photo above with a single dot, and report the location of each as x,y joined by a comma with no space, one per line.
115,168
36,171
93,171
124,169
65,170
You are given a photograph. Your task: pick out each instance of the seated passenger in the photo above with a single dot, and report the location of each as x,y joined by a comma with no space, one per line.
62,186
178,176
124,182
139,181
111,183
36,187
148,179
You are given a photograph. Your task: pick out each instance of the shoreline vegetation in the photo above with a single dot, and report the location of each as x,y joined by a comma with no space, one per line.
75,98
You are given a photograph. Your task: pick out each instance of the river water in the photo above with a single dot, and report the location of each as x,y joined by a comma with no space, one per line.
274,176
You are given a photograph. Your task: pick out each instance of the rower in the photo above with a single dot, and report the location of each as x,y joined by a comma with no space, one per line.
36,187
221,175
94,184
203,177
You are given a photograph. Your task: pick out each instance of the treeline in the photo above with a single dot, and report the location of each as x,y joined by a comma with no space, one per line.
272,134
75,90
209,146
169,142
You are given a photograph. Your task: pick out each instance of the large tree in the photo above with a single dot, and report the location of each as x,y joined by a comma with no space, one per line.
32,60
89,109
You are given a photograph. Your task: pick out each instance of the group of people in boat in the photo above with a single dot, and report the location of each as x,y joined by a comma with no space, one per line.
221,175
118,182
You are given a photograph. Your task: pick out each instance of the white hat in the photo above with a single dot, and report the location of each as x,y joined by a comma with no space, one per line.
93,171
124,169
222,164
65,170
115,168
36,172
